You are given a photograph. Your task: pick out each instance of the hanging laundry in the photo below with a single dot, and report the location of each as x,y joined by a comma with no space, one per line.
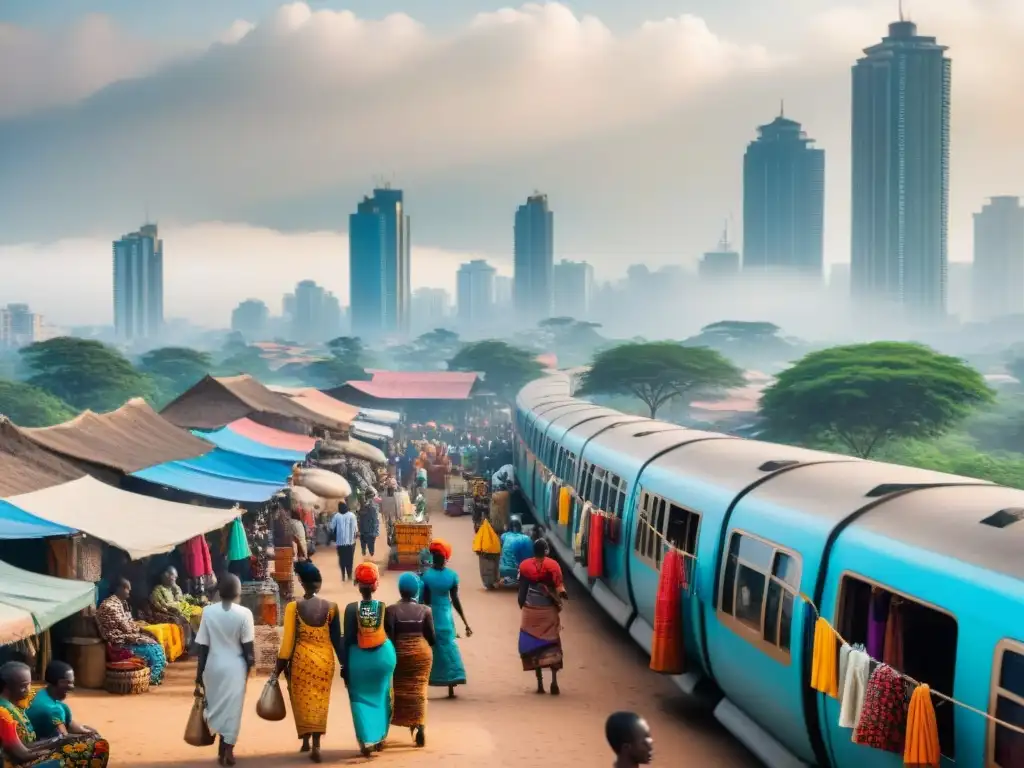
877,617
922,741
892,653
195,555
553,498
855,688
564,505
884,715
844,657
824,660
667,655
595,547
578,549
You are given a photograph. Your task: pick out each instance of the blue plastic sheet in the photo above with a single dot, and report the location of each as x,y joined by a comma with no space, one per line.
174,475
237,466
18,524
232,441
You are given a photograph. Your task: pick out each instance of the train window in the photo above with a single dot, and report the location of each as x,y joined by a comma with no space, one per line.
1006,747
760,582
660,522
681,528
643,519
927,639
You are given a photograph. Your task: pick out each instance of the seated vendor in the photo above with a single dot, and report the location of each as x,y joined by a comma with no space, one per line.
516,547
168,605
49,713
125,638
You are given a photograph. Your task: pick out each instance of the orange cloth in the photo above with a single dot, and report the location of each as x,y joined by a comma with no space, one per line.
824,661
922,740
440,546
667,654
367,574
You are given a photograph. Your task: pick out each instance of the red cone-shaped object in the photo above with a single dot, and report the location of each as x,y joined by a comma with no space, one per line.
667,654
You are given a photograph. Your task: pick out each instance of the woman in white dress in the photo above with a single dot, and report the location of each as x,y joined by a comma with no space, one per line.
226,654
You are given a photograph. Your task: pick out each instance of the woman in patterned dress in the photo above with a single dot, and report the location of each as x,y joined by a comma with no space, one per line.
18,739
123,635
311,641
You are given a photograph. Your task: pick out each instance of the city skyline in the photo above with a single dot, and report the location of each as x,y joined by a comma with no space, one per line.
663,173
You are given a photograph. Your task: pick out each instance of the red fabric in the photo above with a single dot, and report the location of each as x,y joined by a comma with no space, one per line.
595,547
667,641
440,546
8,732
883,719
195,554
116,654
548,571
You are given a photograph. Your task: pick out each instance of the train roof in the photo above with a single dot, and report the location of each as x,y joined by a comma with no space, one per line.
588,429
640,442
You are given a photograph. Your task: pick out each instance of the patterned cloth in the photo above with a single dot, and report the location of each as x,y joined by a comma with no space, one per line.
311,651
884,714
78,752
125,638
368,673
412,629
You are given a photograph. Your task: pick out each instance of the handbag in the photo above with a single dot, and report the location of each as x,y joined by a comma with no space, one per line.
271,703
197,732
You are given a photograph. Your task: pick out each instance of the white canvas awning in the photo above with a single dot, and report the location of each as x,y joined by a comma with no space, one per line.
32,602
140,525
367,429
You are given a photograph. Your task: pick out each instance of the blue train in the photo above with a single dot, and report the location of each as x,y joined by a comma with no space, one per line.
766,523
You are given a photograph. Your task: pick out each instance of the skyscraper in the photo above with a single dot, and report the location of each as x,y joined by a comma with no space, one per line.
998,273
574,288
534,259
250,318
139,284
721,264
429,309
379,265
783,200
503,292
317,313
475,293
900,194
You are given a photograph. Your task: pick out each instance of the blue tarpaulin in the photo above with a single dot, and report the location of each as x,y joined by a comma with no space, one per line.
237,466
230,440
174,475
18,524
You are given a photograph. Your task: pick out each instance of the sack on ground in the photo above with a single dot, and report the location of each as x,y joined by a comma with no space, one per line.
197,732
271,703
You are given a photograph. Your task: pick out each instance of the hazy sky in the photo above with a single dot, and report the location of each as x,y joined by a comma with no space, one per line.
229,120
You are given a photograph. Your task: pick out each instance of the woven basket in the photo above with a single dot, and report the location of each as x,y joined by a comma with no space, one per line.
126,678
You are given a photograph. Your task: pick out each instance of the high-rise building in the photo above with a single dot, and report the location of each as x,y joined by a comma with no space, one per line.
783,200
139,284
20,326
959,293
534,260
574,289
721,264
317,314
475,293
379,265
503,292
900,158
250,318
429,309
999,259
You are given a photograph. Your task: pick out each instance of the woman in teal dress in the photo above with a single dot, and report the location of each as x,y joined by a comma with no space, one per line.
369,663
441,593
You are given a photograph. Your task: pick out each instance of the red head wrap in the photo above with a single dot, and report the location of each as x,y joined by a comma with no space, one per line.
440,546
366,574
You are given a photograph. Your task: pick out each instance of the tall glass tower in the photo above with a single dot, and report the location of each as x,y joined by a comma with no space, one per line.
380,282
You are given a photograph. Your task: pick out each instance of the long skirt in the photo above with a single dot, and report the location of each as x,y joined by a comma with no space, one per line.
309,686
224,682
369,691
412,676
155,658
489,569
447,668
84,752
540,644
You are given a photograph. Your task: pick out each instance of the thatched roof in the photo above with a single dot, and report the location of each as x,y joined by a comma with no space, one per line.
131,438
25,467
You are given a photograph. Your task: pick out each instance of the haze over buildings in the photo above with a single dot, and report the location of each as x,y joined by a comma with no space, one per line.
534,248
998,273
380,286
139,285
475,295
573,289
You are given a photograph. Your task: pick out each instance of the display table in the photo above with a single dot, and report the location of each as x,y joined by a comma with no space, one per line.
410,539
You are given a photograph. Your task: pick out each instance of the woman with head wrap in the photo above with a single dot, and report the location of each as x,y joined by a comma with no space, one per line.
441,593
411,628
368,663
541,593
312,639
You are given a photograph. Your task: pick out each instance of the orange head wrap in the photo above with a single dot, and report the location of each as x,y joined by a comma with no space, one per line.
366,574
440,546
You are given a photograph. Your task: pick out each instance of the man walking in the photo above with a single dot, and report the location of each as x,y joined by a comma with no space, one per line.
344,528
369,528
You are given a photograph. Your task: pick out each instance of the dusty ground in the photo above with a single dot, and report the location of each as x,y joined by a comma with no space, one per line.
497,719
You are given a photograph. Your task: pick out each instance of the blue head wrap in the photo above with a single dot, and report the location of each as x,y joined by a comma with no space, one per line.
408,584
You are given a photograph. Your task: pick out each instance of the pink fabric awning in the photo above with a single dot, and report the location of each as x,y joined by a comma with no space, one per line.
275,438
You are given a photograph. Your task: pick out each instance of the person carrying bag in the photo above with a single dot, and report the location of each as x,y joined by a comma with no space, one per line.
197,732
271,702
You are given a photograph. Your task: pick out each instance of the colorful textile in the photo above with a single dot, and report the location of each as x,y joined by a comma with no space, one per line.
825,660
195,556
154,656
667,639
447,667
366,573
83,752
238,544
441,547
368,673
370,623
892,653
884,715
564,504
47,714
595,547
122,633
412,678
546,571
922,742
171,639
540,643
311,672
515,548
878,615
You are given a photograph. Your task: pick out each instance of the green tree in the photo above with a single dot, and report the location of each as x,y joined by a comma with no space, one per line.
865,395
175,369
429,351
659,371
748,343
572,341
505,369
346,363
85,373
350,349
244,360
29,406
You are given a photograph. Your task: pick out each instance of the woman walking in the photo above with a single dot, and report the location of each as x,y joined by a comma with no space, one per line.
312,639
411,628
225,641
441,593
541,592
368,663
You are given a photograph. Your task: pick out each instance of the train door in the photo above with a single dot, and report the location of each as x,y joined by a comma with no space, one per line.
1004,746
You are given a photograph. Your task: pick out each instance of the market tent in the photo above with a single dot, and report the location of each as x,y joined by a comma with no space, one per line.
140,525
181,478
276,438
216,402
18,524
317,401
232,442
240,467
24,466
371,431
131,438
378,416
31,602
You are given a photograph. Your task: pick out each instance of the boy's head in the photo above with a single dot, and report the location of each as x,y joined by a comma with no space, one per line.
629,736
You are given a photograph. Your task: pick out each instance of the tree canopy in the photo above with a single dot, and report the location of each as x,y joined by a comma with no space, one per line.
29,406
505,369
748,343
573,341
175,369
865,395
659,371
85,373
346,363
429,351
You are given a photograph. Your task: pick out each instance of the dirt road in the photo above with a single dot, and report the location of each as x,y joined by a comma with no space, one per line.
497,719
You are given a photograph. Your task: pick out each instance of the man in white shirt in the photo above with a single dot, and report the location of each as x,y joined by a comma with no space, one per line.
344,529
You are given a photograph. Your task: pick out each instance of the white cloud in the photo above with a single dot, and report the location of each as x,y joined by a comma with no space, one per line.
208,268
